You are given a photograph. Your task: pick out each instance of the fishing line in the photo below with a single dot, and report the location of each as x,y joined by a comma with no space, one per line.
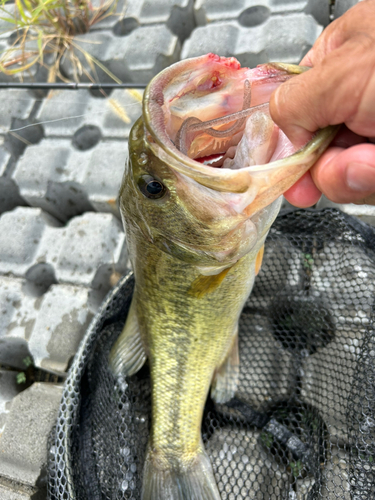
52,121
70,86
92,113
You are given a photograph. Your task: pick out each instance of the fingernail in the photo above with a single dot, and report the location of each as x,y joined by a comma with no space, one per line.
360,177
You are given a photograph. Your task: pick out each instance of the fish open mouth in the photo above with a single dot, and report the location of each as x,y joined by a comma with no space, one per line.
206,108
208,118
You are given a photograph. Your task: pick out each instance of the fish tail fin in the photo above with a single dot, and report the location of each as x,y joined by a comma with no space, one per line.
127,355
195,482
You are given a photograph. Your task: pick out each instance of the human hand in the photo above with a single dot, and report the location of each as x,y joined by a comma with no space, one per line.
340,88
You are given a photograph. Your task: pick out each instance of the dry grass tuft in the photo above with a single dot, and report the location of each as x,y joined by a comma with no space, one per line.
43,32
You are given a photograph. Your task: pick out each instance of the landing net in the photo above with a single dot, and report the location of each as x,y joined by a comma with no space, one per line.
302,424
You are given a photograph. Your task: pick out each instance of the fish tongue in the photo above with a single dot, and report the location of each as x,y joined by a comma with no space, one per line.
257,144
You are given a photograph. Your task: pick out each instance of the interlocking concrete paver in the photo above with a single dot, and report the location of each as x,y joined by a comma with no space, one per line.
14,104
46,326
136,57
177,15
8,390
62,113
9,193
280,38
85,252
250,13
23,443
10,490
66,182
341,6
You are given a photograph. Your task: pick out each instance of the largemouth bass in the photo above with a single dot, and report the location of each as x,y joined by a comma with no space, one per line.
200,192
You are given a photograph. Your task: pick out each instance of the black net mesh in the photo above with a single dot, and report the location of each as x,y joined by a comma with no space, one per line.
302,424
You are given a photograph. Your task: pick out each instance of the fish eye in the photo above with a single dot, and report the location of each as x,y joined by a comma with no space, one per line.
151,188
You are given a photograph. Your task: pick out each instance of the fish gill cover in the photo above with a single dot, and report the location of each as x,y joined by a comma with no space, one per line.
301,425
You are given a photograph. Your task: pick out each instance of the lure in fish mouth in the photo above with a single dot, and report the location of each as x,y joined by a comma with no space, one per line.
201,188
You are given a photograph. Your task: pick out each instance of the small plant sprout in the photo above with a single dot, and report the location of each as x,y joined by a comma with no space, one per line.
308,261
296,467
27,361
21,378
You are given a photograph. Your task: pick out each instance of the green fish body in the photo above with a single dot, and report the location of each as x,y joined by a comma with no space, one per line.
195,235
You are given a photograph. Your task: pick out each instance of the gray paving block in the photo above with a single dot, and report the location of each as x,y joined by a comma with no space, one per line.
251,13
136,57
30,46
66,182
366,213
177,15
63,317
85,252
10,490
341,6
23,443
6,28
48,327
280,38
45,182
139,56
116,11
9,193
3,46
17,128
8,390
60,182
15,104
17,318
63,113
92,248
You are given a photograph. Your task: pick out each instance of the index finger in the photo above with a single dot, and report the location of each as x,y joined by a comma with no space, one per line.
339,90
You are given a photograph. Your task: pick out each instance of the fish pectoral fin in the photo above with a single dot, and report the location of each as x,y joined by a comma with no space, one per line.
224,383
195,482
127,355
207,284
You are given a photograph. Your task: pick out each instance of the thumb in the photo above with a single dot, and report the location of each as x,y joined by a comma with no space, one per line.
328,94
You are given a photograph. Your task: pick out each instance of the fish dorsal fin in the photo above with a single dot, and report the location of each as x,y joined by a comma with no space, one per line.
127,355
224,383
